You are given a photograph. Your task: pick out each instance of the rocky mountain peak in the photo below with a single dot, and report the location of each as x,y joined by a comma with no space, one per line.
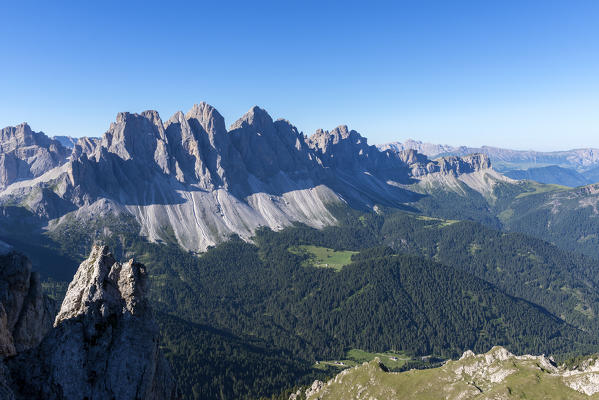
347,149
206,116
411,156
466,164
256,117
137,137
343,132
26,154
324,141
103,285
14,137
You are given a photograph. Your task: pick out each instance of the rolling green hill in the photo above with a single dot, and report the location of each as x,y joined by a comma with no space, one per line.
565,217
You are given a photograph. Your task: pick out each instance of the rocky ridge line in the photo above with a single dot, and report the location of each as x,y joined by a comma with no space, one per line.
484,376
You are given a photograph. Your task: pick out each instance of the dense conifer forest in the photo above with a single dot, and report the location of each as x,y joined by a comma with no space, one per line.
247,320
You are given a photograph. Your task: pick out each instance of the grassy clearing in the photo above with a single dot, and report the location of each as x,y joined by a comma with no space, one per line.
323,257
441,223
537,188
392,360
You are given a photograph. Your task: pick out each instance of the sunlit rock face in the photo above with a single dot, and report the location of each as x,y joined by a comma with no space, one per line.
25,154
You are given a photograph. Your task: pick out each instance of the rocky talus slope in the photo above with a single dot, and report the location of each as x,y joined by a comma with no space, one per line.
104,343
497,374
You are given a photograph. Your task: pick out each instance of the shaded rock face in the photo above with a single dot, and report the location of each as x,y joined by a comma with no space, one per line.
66,141
25,154
26,315
344,148
270,147
462,165
104,344
85,145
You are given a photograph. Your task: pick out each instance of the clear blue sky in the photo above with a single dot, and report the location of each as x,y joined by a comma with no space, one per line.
519,74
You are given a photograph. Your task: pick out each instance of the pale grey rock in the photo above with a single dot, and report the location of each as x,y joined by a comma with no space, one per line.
105,344
569,168
67,141
25,154
200,147
428,149
85,145
463,165
102,282
578,159
345,148
270,148
314,389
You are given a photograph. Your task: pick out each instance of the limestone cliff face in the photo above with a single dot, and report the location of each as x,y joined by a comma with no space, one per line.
346,149
26,315
104,344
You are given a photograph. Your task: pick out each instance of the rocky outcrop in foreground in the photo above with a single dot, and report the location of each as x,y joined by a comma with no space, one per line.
497,374
104,344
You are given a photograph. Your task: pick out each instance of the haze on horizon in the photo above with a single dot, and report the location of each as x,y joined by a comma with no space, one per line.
522,76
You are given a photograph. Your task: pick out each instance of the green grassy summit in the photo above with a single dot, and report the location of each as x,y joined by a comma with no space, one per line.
497,374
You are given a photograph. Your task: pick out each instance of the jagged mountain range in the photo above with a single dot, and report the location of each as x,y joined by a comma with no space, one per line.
192,178
572,168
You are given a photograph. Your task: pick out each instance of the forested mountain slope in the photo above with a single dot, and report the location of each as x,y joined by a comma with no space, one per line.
291,310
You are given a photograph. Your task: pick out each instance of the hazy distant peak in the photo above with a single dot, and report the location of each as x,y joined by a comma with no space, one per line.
67,141
26,154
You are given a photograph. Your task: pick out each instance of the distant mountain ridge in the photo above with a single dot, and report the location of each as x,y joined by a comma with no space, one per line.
25,154
574,167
